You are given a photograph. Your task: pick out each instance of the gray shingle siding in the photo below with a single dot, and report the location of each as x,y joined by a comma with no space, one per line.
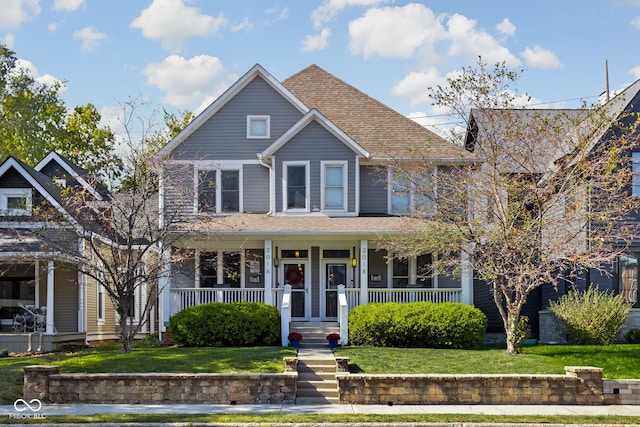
373,190
224,135
255,183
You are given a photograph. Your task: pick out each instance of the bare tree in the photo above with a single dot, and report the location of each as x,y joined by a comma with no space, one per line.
123,244
547,199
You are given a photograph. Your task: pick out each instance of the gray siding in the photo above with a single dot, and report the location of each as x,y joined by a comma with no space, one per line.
315,144
373,190
255,188
224,135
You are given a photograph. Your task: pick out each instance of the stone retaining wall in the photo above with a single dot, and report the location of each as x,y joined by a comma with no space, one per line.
579,386
47,384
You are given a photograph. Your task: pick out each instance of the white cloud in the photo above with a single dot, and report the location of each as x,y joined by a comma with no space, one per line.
9,40
539,57
471,42
330,8
89,37
635,22
506,27
52,27
244,25
187,83
69,5
45,79
415,86
277,14
635,71
171,22
395,32
15,12
316,41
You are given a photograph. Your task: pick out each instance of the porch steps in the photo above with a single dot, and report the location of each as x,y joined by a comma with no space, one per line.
317,382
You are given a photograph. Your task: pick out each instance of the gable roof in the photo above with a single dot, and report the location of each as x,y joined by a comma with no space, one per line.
256,71
313,115
42,183
79,174
380,130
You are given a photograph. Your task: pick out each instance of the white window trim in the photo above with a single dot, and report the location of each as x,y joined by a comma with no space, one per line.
345,185
307,165
218,169
250,119
100,297
6,193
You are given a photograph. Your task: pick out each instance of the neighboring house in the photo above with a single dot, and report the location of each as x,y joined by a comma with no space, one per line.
40,247
538,158
290,183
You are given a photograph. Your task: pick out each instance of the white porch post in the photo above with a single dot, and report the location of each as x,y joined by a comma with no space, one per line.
364,272
466,277
164,285
50,281
268,276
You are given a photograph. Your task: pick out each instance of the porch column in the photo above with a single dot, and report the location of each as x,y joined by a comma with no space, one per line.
50,289
268,276
164,286
466,277
364,271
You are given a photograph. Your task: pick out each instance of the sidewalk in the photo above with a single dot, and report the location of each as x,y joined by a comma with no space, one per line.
91,409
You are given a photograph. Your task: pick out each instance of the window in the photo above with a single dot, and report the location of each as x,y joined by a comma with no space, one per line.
219,269
400,195
411,194
296,188
218,191
635,164
207,191
100,299
15,201
258,127
334,178
628,278
230,189
400,274
424,271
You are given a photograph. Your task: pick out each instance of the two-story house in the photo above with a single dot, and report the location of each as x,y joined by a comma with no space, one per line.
291,183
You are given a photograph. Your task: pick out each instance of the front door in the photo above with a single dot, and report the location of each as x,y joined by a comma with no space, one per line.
335,274
295,274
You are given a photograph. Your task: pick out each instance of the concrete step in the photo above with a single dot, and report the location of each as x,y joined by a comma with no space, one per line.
317,400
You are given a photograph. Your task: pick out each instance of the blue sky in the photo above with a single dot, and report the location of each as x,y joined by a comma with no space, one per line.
181,54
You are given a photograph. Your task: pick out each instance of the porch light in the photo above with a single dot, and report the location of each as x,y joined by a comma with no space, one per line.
276,262
354,262
297,254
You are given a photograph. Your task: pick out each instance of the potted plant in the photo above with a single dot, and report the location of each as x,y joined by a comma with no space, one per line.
294,339
333,339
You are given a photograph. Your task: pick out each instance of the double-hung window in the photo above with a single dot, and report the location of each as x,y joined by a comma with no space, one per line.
15,201
218,191
411,193
334,186
296,186
400,197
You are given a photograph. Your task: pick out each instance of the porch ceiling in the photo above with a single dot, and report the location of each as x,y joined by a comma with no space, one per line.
265,225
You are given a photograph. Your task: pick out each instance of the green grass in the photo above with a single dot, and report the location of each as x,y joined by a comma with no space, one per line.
108,358
619,361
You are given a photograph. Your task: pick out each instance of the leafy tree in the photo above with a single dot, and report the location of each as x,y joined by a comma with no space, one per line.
546,199
34,121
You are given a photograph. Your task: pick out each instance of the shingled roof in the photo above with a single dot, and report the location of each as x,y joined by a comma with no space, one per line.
380,130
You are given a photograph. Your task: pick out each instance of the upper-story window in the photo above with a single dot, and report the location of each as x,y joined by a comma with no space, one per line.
635,162
15,201
296,186
218,191
258,126
334,186
410,194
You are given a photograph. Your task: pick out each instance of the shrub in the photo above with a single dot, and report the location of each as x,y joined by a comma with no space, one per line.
4,352
226,325
421,324
150,341
632,336
591,317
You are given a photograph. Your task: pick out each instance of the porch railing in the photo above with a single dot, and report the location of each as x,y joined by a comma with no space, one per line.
414,295
182,298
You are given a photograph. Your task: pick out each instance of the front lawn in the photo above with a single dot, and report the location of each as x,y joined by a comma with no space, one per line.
109,358
619,361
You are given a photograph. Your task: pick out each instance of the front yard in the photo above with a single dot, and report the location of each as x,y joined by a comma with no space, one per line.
619,361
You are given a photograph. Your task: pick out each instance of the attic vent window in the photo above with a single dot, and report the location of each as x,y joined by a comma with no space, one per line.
258,127
15,201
